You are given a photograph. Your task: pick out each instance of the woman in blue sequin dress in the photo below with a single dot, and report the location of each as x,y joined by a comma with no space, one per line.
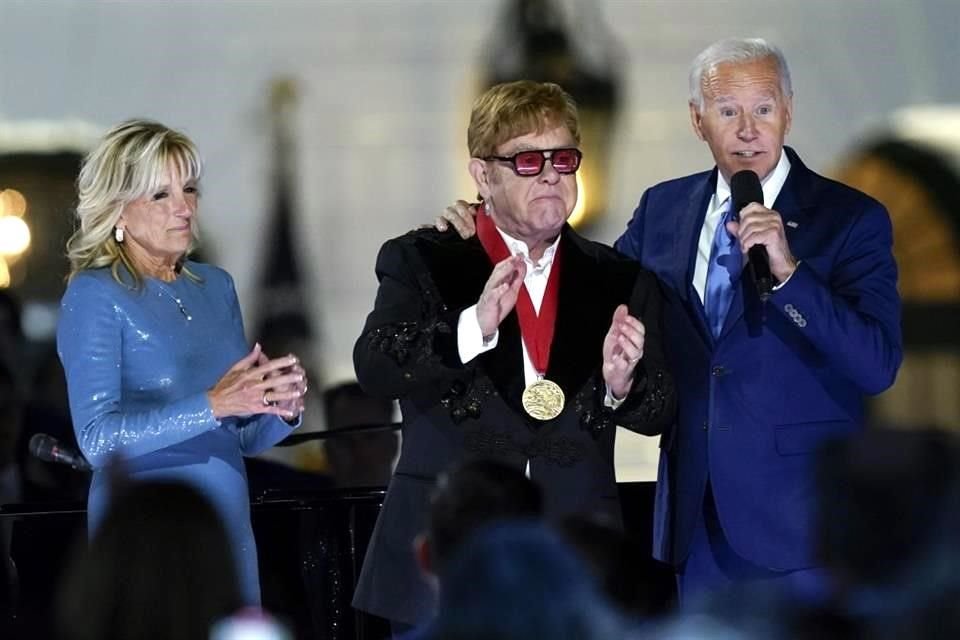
158,369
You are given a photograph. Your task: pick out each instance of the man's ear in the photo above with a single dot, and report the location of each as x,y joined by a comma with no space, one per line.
696,120
478,170
789,114
421,550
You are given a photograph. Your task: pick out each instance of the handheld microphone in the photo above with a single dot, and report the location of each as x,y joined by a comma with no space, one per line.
49,449
744,189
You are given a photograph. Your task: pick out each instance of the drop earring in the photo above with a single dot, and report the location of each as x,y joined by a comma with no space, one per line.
487,207
118,235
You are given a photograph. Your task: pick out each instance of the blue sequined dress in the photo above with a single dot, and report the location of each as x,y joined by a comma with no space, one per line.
138,365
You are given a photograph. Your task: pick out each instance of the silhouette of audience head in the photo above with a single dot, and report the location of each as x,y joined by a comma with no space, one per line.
931,588
879,493
159,566
889,532
466,498
516,581
888,536
360,459
632,580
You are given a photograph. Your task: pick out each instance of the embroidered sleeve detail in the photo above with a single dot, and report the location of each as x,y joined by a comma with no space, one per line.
595,417
596,421
647,409
406,343
465,400
651,405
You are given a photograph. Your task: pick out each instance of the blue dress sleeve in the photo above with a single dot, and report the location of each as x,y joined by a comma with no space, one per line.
263,431
90,344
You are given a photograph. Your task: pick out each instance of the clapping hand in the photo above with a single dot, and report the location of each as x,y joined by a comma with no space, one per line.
257,384
622,350
500,293
288,396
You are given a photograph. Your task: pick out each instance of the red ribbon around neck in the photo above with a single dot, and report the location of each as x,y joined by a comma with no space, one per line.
536,330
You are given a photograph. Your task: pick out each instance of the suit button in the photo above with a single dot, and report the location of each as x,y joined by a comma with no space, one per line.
718,371
704,425
795,315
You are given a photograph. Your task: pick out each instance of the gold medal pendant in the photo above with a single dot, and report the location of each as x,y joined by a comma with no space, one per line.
543,399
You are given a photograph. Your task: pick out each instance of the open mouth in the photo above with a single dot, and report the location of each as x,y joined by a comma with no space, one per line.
747,154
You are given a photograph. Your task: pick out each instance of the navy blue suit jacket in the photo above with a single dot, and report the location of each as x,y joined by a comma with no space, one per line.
782,377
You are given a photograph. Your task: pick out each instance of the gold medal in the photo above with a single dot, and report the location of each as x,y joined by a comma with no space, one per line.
543,399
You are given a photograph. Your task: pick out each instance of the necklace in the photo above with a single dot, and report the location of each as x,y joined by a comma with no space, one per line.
176,299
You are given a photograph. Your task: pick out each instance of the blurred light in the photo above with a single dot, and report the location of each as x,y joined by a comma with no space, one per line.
580,208
12,203
40,320
14,236
928,122
4,274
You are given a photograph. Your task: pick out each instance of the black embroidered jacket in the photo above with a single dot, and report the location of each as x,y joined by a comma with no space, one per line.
453,411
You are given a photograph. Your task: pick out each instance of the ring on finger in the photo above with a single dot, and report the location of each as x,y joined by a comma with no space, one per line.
266,402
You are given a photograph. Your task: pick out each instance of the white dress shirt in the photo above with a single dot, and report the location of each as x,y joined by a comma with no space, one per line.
470,342
772,185
469,335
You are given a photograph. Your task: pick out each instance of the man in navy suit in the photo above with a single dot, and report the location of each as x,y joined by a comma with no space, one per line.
760,385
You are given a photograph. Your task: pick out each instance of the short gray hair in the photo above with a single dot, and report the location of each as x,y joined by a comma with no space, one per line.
736,50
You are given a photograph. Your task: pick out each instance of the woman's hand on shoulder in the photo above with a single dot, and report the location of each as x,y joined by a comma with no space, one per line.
257,384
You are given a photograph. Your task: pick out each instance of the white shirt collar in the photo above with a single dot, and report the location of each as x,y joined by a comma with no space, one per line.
772,184
519,247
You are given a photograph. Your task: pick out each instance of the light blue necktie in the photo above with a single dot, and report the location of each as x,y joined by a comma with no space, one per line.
723,272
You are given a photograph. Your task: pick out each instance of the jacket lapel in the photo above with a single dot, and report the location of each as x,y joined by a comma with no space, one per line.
690,215
504,365
796,198
585,290
460,270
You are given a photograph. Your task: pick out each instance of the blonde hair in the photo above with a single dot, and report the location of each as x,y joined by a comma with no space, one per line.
130,162
512,109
